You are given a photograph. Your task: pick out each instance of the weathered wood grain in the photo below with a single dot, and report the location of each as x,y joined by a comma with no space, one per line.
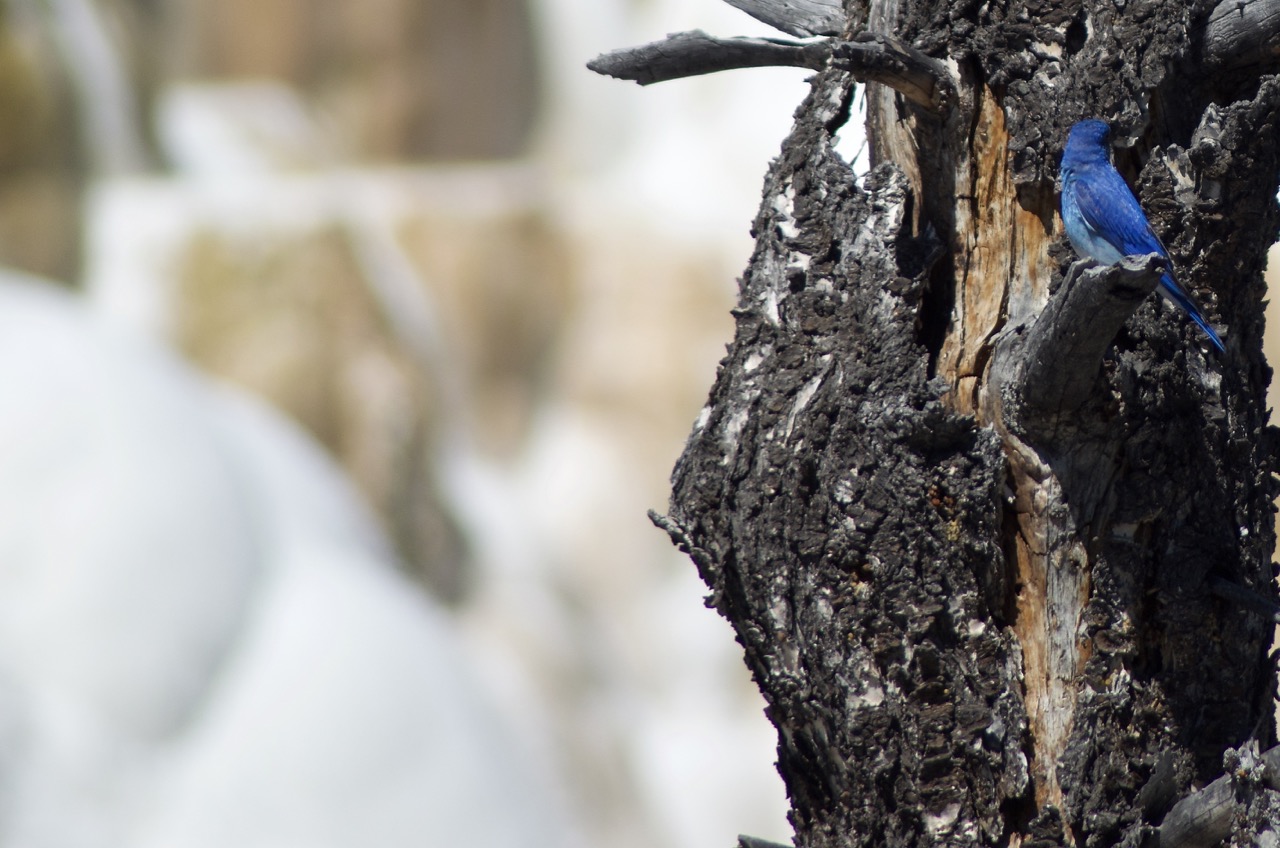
1242,33
796,17
687,54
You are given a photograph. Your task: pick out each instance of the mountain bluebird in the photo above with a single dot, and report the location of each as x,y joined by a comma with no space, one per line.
1103,218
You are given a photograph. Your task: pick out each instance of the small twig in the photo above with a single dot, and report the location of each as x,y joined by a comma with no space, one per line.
801,18
1245,597
690,54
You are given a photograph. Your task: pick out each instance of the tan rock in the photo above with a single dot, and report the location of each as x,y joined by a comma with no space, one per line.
42,165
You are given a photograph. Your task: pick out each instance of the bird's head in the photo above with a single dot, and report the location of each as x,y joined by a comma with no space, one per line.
1088,141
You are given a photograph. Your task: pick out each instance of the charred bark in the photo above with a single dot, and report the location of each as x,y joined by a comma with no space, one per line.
971,523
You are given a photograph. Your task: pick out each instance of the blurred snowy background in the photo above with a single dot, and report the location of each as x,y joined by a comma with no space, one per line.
376,327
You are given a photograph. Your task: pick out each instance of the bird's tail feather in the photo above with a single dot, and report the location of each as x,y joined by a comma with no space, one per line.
1170,289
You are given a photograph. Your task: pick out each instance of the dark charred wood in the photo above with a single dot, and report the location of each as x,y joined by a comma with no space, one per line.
1245,598
972,521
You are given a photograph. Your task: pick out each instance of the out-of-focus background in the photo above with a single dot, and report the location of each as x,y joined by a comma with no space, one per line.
366,334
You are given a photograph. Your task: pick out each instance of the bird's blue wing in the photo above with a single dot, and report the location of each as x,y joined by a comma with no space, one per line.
1104,221
1111,212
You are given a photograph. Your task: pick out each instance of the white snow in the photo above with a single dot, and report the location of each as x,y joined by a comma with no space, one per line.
203,638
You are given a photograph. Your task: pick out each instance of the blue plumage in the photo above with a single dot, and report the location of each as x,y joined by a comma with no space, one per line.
1103,218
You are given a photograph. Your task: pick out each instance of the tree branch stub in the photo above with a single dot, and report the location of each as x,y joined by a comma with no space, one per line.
1242,33
694,53
1205,818
871,57
1048,369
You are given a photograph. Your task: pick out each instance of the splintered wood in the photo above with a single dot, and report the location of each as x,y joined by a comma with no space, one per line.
1002,266
1002,272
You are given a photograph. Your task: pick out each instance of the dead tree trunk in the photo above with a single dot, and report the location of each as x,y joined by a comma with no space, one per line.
996,538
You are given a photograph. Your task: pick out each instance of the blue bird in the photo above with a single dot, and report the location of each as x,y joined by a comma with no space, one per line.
1103,218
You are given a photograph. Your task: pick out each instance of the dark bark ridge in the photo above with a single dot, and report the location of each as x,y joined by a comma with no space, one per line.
875,548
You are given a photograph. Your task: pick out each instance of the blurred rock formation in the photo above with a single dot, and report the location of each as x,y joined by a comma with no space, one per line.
395,79
303,316
43,169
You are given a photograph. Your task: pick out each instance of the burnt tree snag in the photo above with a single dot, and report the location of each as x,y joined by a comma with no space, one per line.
983,521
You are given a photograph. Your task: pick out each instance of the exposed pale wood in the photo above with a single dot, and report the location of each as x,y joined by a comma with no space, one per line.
890,130
796,17
1051,570
993,234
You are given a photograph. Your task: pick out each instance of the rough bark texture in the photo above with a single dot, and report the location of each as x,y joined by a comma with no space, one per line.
981,616
848,522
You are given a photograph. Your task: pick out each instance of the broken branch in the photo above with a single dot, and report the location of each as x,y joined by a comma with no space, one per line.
1204,818
1046,371
691,54
921,79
